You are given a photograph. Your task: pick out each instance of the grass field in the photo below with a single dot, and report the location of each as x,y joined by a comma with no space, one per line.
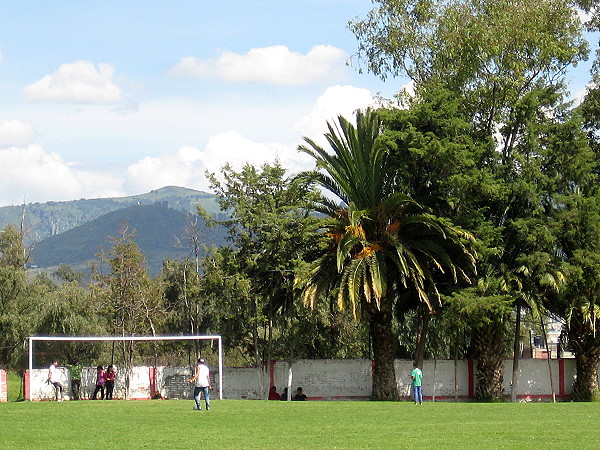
14,382
264,424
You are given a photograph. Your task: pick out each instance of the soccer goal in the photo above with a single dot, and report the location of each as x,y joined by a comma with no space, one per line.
33,339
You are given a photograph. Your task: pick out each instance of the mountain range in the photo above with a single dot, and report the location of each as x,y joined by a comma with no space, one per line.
75,232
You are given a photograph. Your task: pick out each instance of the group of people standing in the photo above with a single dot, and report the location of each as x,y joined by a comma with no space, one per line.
105,381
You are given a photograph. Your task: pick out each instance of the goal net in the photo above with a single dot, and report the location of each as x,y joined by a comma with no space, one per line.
33,339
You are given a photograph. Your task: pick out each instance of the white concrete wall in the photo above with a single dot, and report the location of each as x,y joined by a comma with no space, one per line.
41,390
438,378
172,382
242,382
571,374
139,385
326,378
534,377
323,379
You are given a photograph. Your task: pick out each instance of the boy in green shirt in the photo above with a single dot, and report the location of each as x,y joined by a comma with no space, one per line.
416,376
75,371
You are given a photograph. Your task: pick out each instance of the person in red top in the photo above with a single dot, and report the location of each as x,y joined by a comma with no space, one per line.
99,383
273,395
110,376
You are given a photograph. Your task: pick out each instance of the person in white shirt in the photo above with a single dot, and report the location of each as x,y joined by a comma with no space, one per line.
202,384
54,379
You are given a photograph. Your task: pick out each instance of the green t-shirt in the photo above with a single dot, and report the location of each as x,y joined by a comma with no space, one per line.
75,371
417,376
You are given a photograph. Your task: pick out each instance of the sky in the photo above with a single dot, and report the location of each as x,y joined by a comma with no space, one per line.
117,98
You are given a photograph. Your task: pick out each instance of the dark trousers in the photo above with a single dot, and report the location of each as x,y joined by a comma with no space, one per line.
76,388
58,388
110,386
98,389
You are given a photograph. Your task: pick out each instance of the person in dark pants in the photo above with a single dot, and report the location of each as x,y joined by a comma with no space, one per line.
54,379
110,376
100,380
75,371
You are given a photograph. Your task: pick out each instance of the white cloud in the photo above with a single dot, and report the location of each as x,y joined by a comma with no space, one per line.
271,65
29,170
184,168
15,132
335,101
585,17
78,82
33,175
188,165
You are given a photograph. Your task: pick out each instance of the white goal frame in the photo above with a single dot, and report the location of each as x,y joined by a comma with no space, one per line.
32,339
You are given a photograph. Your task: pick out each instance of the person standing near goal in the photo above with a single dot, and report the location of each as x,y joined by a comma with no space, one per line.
54,379
110,376
201,380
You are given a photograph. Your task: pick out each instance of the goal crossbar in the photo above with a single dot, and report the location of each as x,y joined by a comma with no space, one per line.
32,339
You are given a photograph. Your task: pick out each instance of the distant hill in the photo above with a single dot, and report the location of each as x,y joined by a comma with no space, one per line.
157,226
52,218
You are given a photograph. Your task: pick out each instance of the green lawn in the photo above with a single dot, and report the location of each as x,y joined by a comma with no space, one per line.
264,424
14,383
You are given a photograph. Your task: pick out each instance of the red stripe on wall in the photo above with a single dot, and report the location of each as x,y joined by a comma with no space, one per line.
372,371
3,387
26,381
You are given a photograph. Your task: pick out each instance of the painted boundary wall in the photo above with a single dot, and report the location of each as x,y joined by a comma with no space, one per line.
351,379
139,385
144,383
3,387
323,380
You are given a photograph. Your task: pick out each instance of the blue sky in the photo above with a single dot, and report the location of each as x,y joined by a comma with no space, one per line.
121,97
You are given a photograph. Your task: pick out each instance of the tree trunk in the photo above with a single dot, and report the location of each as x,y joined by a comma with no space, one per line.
548,359
516,356
384,375
585,387
586,346
424,319
489,349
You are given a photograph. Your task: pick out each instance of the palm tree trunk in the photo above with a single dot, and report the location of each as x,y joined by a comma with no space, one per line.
489,349
585,387
384,374
586,346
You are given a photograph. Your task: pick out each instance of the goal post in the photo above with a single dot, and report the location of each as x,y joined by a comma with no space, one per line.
32,339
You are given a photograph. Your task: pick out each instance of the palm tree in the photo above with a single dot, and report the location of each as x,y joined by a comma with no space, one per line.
382,248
